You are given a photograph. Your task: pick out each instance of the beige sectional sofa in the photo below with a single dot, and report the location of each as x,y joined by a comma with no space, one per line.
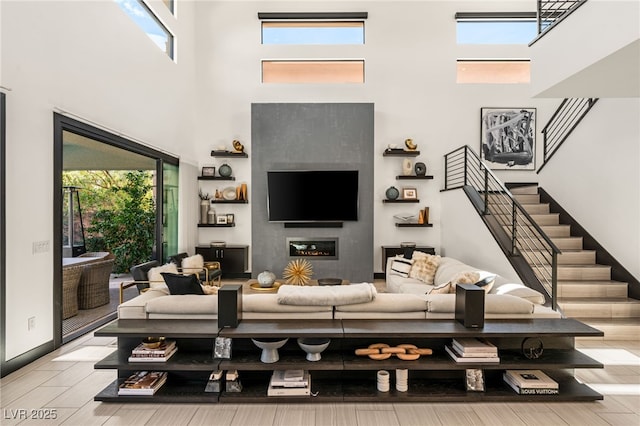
404,298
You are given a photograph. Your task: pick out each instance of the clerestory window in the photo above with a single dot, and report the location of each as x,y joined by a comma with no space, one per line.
144,17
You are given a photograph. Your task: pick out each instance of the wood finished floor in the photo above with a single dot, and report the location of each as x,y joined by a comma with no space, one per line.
66,381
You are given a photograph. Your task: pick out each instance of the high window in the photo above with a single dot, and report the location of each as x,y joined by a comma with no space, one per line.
313,32
144,17
493,28
340,28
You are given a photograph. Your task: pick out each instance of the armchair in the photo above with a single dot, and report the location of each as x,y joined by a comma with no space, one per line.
210,272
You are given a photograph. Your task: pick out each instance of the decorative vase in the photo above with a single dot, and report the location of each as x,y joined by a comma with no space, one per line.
420,168
225,170
392,193
266,279
407,167
211,216
204,208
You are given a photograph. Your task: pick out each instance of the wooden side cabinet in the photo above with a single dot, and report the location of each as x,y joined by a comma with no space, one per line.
234,259
390,251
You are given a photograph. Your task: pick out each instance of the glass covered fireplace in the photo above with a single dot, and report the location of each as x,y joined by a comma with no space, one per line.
318,248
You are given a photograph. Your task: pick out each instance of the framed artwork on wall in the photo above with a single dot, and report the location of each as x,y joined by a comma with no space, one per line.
507,140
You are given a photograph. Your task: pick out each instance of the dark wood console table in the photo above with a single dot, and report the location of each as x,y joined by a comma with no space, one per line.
431,378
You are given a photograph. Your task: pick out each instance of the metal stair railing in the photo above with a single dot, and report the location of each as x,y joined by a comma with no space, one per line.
562,123
464,168
552,11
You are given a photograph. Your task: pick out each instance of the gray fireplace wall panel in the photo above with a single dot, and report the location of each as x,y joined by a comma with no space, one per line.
318,136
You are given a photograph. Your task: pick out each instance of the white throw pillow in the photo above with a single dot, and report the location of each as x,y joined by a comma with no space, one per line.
192,264
401,266
521,291
156,280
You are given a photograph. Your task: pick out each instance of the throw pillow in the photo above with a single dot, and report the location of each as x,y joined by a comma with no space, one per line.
473,277
424,267
192,264
182,284
441,289
401,266
156,281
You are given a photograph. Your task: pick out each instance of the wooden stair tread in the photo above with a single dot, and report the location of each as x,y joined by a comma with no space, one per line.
590,282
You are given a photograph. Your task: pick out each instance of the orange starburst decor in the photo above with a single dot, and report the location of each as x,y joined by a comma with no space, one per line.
298,272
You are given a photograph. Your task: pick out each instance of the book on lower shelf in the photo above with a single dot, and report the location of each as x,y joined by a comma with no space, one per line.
472,347
280,384
529,379
143,383
459,358
161,354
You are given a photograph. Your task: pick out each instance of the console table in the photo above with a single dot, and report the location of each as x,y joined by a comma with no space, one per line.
431,378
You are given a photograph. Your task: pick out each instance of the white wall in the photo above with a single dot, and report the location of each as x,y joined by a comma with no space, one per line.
467,237
595,177
588,55
90,59
410,74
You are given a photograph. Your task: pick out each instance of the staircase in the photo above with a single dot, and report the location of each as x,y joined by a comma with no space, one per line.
585,289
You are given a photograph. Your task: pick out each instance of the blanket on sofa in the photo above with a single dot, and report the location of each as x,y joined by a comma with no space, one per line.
326,295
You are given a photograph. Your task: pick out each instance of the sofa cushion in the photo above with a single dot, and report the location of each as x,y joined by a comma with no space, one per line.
136,307
401,266
494,304
522,291
156,281
424,266
268,303
182,284
388,302
188,304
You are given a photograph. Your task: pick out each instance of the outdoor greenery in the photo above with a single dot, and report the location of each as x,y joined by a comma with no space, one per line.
120,210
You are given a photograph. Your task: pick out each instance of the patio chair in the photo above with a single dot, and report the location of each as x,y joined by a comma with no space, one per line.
93,289
70,281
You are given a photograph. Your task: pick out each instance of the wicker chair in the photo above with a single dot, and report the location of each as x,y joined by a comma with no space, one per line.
70,280
93,290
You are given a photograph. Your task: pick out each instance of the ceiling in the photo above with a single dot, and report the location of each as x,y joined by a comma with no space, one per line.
82,153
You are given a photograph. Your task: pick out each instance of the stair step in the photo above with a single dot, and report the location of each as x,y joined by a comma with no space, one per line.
526,189
556,230
592,289
584,272
546,219
527,198
577,257
613,328
602,308
538,208
567,243
567,257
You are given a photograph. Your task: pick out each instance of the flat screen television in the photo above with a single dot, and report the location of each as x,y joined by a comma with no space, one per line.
312,195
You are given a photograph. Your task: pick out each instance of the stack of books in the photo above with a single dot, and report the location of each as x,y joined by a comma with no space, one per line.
160,354
471,350
143,383
530,382
290,383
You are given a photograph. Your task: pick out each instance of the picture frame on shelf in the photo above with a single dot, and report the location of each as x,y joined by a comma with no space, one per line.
230,218
409,194
221,219
208,171
507,139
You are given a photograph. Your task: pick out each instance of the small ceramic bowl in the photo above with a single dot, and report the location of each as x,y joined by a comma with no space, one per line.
313,347
152,342
269,349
